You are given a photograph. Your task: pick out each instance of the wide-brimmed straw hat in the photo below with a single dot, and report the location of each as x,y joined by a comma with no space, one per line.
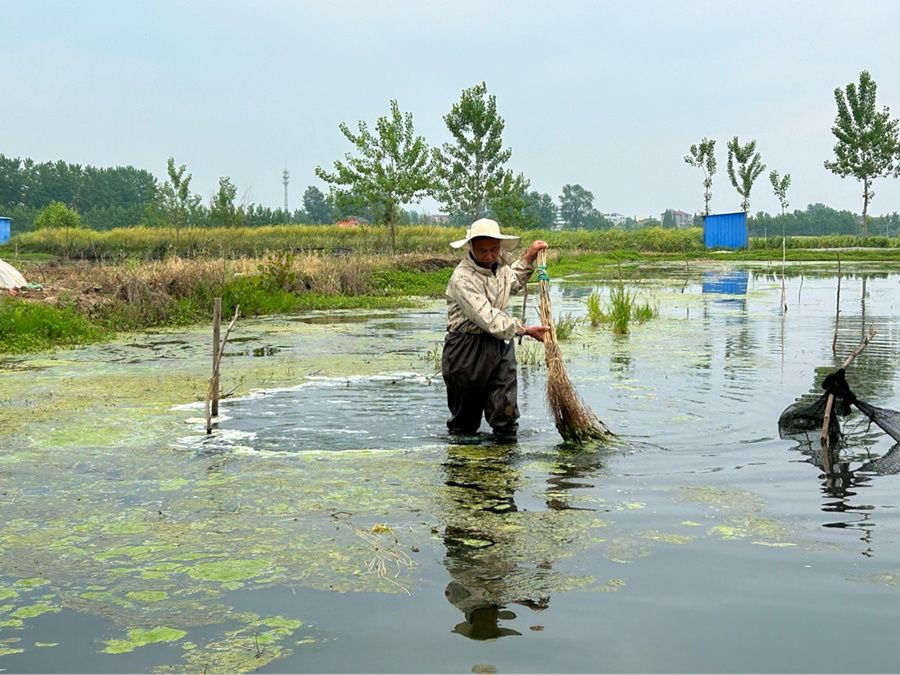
485,227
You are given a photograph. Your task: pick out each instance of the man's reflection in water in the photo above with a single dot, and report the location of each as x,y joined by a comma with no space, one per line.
489,566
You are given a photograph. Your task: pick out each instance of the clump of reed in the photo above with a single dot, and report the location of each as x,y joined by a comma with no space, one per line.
623,308
575,422
529,354
565,326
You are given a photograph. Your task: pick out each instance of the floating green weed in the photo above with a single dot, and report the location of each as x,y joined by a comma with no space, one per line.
138,637
147,596
228,571
32,611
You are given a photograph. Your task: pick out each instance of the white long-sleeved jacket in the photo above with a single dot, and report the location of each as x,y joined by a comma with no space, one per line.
477,297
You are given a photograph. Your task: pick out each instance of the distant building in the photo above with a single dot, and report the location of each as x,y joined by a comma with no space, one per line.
437,219
615,218
679,218
351,221
683,218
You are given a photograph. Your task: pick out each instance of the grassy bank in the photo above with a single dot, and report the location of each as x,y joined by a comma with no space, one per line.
158,243
86,302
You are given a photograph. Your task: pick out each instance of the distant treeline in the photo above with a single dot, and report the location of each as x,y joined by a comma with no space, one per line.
818,220
124,196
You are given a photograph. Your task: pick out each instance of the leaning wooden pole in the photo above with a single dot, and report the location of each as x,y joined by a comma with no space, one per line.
212,391
829,402
575,422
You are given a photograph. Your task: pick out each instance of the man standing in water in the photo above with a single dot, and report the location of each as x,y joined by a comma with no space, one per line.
479,359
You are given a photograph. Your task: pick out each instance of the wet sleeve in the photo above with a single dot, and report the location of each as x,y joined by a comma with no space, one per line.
476,307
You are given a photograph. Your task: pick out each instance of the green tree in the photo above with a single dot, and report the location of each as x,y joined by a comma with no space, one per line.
541,209
668,219
780,185
510,205
470,172
173,202
749,167
316,206
390,169
575,205
57,215
868,144
703,156
222,211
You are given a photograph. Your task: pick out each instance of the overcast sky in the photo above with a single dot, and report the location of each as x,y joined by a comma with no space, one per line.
609,95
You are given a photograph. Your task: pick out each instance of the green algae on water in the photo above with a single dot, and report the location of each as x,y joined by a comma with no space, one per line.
138,637
147,596
32,611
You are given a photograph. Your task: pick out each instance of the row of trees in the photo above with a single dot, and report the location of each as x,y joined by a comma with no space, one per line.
867,147
391,166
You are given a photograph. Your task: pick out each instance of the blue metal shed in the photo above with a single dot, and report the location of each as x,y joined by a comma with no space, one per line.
5,229
725,230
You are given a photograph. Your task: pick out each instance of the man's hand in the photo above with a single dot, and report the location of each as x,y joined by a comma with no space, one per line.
536,332
532,251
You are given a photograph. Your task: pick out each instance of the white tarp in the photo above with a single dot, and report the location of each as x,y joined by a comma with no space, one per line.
10,277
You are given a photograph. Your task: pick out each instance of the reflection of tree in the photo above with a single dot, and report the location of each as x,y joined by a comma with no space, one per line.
874,371
483,555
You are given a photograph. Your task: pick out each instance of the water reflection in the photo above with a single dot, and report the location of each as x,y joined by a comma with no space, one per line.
567,474
848,445
488,567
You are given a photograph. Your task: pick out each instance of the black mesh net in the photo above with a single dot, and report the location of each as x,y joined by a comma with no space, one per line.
803,419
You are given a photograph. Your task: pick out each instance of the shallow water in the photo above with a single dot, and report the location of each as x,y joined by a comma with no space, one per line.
330,524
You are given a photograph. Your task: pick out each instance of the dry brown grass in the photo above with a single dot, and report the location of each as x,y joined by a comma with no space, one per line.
152,288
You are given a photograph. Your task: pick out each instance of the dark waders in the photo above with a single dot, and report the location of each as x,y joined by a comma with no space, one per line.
480,373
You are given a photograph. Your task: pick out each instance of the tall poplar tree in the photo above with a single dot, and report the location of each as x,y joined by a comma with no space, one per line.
470,172
749,168
390,169
868,146
703,156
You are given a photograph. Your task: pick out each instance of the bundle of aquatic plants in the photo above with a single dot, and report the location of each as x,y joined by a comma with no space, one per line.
575,422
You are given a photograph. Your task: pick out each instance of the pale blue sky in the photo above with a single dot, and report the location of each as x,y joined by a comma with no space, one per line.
606,94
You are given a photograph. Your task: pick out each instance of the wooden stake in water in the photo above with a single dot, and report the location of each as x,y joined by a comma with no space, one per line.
212,391
217,325
829,402
837,311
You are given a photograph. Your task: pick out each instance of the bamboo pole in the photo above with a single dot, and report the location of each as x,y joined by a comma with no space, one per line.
217,325
837,311
212,391
829,403
783,291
